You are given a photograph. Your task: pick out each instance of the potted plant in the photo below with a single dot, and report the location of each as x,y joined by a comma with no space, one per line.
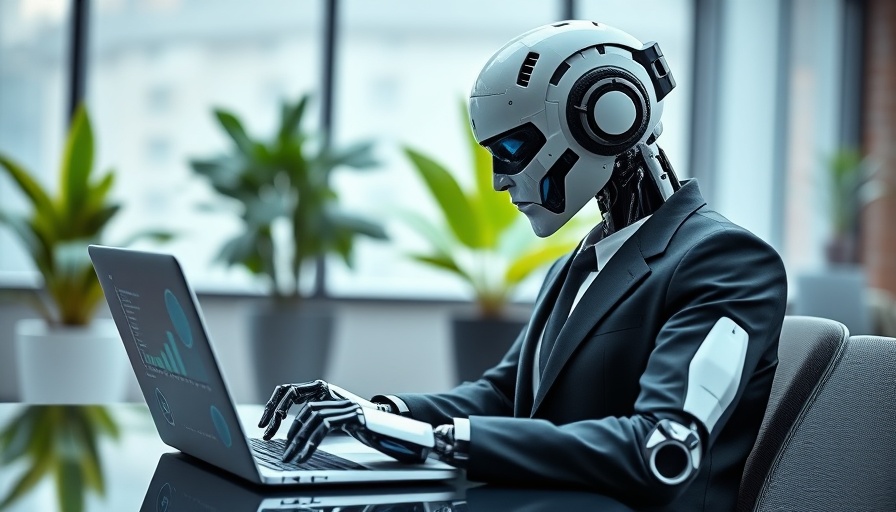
839,290
58,440
851,186
482,240
67,356
291,219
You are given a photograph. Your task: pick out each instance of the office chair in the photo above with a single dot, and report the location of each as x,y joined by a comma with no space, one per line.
839,452
806,349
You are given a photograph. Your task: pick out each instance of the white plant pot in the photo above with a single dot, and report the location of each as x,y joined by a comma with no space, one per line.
71,365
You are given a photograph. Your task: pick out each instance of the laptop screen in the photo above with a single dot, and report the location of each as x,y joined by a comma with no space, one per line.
163,333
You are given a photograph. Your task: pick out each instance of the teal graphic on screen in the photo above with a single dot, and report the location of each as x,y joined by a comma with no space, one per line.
221,426
176,355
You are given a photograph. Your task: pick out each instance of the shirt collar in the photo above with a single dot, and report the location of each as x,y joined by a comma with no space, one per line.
607,247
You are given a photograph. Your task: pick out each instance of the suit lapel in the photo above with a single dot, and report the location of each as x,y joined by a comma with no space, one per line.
543,307
623,272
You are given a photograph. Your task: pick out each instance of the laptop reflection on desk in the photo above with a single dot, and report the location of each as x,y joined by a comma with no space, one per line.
182,483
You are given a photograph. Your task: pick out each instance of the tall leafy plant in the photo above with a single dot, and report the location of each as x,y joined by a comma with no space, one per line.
284,182
480,237
58,440
59,227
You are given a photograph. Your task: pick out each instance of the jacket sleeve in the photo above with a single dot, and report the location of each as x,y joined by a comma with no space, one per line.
729,273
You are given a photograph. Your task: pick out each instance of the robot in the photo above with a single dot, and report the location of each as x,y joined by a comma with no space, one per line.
570,112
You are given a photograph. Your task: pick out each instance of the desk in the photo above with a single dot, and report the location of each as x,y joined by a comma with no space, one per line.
142,473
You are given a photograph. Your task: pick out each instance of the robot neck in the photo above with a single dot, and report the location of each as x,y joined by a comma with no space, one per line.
642,181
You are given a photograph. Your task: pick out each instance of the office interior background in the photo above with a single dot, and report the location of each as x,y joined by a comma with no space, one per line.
767,94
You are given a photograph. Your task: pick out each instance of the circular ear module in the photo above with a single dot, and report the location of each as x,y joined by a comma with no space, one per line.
607,110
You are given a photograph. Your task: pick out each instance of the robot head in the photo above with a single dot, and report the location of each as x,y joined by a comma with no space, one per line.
556,105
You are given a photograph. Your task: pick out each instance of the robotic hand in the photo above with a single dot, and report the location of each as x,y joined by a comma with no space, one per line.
326,408
287,395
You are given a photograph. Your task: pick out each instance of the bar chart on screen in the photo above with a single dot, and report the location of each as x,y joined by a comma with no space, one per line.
159,348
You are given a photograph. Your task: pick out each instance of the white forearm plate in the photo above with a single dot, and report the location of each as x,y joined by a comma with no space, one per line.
399,427
715,372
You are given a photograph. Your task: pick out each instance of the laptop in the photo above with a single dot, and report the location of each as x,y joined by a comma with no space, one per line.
164,334
181,483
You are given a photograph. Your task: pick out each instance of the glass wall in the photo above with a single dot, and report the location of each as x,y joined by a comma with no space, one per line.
33,109
156,69
403,76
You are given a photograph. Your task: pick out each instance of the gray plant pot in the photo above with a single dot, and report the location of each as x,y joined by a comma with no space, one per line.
480,343
290,343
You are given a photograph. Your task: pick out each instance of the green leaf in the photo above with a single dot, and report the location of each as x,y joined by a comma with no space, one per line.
70,485
444,262
96,222
357,225
358,156
91,293
224,171
261,211
85,435
39,198
291,118
96,195
99,416
77,162
23,230
44,257
32,476
437,236
238,248
527,263
15,437
234,128
30,298
454,204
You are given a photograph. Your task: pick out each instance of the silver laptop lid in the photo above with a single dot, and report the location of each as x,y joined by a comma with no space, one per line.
162,329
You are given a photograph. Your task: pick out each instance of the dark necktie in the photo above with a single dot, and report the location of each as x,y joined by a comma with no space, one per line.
583,264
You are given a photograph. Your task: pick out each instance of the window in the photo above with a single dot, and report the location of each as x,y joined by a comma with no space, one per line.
403,70
33,109
157,69
402,74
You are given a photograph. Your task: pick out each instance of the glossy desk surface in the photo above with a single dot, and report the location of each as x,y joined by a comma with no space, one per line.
142,473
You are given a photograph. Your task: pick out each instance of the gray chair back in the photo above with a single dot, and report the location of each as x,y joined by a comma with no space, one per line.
806,349
840,453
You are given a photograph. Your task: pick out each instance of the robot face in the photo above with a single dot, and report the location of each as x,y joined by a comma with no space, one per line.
556,105
539,194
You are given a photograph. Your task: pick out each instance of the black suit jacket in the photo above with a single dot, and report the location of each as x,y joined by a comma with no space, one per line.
620,365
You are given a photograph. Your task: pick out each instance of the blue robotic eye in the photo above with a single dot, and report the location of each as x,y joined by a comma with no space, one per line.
511,145
514,149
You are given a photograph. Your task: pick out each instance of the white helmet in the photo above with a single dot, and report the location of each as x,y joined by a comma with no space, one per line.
556,105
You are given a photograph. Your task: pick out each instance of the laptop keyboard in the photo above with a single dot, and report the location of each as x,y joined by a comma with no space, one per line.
268,454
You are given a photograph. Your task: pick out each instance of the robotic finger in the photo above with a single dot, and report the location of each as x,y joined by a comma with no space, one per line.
315,421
